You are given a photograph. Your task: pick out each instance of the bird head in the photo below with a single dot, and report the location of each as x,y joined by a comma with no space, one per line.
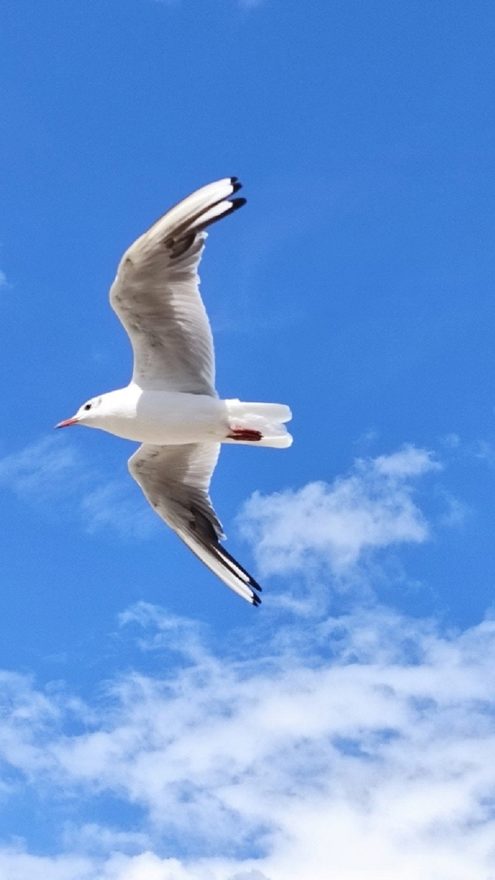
86,414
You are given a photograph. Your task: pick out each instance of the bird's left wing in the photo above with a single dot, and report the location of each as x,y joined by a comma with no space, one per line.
175,480
156,294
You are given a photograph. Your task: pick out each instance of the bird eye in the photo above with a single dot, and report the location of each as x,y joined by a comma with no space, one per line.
88,406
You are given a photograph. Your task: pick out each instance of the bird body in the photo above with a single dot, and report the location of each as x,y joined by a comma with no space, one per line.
174,417
160,417
171,406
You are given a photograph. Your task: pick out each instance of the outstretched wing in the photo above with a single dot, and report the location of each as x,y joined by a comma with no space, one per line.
175,480
156,294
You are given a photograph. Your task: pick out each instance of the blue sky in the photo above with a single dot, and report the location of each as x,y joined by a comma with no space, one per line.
154,726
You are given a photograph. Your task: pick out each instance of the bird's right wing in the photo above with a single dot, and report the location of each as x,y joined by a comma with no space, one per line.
156,294
175,480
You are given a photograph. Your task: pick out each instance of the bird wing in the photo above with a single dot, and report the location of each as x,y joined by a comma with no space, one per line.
175,480
156,294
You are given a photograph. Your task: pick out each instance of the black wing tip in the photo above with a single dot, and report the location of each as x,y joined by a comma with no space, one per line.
233,205
235,183
237,203
254,584
255,588
250,581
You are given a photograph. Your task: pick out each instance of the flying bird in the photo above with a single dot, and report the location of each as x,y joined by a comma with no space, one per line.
170,405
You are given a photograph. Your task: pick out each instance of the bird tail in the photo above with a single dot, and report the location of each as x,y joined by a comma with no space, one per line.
261,424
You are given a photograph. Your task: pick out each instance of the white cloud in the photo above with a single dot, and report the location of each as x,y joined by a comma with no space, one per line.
369,509
366,750
15,864
97,838
360,745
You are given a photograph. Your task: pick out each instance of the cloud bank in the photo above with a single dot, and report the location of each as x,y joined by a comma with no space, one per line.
365,750
322,745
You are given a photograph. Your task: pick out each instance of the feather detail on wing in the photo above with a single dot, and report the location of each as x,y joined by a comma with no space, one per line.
175,480
156,294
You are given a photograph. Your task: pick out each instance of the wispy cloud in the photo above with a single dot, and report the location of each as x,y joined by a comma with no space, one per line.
118,506
41,468
54,469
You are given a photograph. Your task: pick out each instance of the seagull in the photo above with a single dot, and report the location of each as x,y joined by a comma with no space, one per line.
170,405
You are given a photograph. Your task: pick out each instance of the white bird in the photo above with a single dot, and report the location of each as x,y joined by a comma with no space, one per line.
170,405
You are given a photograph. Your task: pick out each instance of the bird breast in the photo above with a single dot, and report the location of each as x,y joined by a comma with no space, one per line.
170,417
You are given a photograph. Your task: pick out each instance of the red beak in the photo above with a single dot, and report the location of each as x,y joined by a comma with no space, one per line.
66,423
